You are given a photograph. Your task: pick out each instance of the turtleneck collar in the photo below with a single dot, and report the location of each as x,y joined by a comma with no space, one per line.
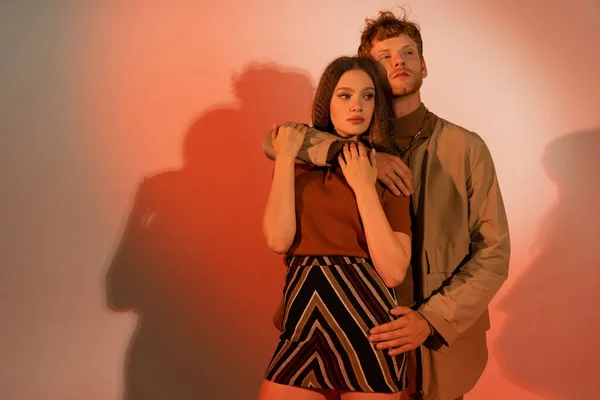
408,125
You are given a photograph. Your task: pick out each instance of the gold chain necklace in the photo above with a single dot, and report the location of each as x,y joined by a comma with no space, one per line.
418,133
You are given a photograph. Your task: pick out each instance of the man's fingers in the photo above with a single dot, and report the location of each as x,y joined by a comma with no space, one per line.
403,172
400,167
394,168
389,336
388,183
390,344
385,172
384,337
402,349
400,310
399,184
388,326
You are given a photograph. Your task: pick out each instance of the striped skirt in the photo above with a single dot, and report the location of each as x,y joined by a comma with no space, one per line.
330,305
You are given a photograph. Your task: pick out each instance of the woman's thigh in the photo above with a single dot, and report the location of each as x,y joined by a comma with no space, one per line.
369,396
275,391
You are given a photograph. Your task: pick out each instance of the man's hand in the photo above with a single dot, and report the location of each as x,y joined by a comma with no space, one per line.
403,334
393,173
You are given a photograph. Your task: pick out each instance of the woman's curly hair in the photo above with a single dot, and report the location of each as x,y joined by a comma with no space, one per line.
381,129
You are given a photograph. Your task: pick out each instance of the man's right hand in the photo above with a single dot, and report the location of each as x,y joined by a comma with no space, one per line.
288,139
393,173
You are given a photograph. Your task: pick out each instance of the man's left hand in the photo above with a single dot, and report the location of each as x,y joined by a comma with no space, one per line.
403,334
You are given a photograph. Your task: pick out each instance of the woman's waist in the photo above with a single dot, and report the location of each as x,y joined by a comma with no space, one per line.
324,260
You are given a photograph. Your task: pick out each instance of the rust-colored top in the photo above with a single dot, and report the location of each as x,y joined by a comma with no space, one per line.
327,217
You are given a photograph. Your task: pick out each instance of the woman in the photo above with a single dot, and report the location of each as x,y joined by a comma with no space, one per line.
347,244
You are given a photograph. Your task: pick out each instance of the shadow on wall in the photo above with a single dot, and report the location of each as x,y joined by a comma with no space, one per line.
192,262
549,343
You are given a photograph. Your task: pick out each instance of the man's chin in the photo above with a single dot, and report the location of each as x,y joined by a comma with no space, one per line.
404,91
406,88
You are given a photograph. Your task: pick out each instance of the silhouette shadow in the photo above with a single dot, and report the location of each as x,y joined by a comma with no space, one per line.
549,344
192,262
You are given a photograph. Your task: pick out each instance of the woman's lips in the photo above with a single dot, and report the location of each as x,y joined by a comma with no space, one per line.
356,120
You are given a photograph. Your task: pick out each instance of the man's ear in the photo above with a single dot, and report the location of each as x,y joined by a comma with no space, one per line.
423,68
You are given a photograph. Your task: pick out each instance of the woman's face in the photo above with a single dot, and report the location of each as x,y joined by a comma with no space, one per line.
352,103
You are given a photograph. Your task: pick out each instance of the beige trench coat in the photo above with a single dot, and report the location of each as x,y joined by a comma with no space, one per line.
464,252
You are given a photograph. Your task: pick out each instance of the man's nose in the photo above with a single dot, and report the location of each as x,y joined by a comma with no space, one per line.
398,61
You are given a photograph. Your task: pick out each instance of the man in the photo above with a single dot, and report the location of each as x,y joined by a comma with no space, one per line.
461,243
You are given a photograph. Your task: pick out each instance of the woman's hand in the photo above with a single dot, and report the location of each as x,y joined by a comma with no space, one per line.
288,139
359,168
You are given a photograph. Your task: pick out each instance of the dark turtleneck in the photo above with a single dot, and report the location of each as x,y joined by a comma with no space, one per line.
407,127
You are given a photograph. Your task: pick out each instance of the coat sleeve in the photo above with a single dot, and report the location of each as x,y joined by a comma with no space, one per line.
464,297
318,148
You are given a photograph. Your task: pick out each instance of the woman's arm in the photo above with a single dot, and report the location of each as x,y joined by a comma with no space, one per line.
320,148
279,219
390,251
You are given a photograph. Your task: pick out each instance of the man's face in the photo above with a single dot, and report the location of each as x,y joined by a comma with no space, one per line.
404,68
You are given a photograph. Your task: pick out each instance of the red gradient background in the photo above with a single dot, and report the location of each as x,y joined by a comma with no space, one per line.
96,96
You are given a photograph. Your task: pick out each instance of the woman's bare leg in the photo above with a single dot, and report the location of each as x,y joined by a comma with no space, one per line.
275,391
370,396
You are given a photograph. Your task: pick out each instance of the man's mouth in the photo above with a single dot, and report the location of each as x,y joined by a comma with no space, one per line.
399,74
